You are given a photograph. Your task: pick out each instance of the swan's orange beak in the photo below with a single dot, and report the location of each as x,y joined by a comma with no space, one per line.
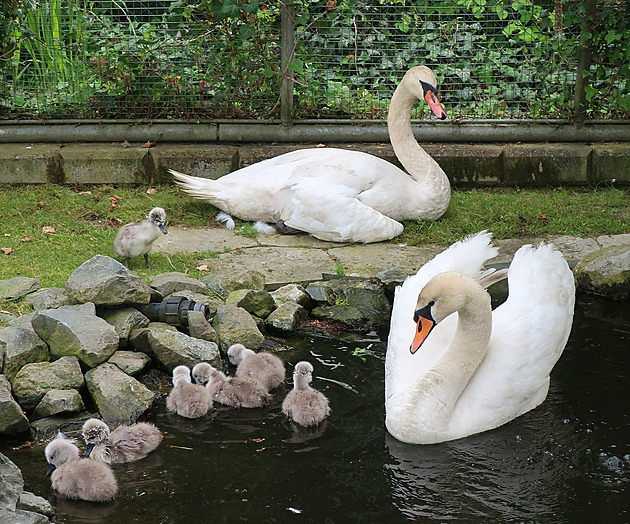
434,104
423,328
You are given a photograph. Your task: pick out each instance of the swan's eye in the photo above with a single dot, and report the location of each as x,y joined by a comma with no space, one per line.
431,304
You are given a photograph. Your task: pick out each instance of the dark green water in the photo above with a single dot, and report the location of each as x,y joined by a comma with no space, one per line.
566,461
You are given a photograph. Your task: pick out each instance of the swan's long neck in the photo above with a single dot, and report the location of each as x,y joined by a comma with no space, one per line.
430,402
409,153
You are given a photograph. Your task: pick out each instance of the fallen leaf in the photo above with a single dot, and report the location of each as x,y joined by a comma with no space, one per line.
48,229
25,239
114,222
203,267
149,144
260,450
111,208
151,191
320,145
6,250
114,199
84,193
41,203
126,144
257,440
7,234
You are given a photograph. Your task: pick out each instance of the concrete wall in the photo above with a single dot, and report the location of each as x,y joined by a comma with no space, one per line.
467,165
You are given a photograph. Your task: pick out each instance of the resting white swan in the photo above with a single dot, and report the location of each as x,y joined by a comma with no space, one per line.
336,194
454,367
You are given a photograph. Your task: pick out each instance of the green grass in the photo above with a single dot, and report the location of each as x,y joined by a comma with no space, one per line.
86,224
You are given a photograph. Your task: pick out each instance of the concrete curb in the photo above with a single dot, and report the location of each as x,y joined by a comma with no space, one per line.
467,165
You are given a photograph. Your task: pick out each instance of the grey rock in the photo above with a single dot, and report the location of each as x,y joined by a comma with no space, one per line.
119,397
6,317
139,338
48,297
11,483
392,277
33,381
24,321
605,272
199,327
17,287
124,320
105,281
19,516
258,302
57,402
172,348
68,423
287,317
76,331
12,419
131,362
235,325
223,285
174,282
291,293
19,347
34,503
348,315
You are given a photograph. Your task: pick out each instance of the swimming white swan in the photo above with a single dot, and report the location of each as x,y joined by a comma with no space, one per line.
341,195
454,367
304,405
124,444
262,367
78,478
135,239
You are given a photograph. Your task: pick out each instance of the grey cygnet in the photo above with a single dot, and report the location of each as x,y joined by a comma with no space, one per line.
263,367
305,405
135,239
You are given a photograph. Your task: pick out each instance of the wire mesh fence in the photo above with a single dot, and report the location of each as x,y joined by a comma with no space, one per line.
179,59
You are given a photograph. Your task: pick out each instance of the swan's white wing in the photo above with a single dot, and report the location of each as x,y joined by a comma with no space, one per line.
402,369
530,330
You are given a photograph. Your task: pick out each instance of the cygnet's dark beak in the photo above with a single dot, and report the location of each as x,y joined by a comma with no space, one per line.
88,450
163,229
51,468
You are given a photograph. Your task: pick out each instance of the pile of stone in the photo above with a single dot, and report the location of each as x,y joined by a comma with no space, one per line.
91,344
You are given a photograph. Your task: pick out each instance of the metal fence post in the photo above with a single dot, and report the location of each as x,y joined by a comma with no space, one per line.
584,63
287,28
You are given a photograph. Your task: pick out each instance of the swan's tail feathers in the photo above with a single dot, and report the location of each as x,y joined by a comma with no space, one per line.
226,219
492,276
264,228
202,188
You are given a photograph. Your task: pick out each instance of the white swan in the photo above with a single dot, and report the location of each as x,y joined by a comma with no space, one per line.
448,375
336,194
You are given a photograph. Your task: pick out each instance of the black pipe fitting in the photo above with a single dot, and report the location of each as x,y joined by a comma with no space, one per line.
174,310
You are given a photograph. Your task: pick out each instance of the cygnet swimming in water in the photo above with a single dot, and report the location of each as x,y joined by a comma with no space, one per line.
135,239
304,405
124,444
263,367
201,373
235,391
187,399
78,478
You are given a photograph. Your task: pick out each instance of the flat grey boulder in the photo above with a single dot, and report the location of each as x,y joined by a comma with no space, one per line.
17,287
118,397
11,484
223,285
48,297
235,325
124,320
199,327
605,272
106,282
12,419
19,516
130,362
24,321
33,381
76,331
258,302
172,348
57,402
174,282
36,504
287,317
18,347
291,293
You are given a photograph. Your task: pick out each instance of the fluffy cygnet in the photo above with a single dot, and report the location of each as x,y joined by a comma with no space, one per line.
181,371
235,391
201,373
263,367
124,444
187,399
135,239
303,404
78,478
